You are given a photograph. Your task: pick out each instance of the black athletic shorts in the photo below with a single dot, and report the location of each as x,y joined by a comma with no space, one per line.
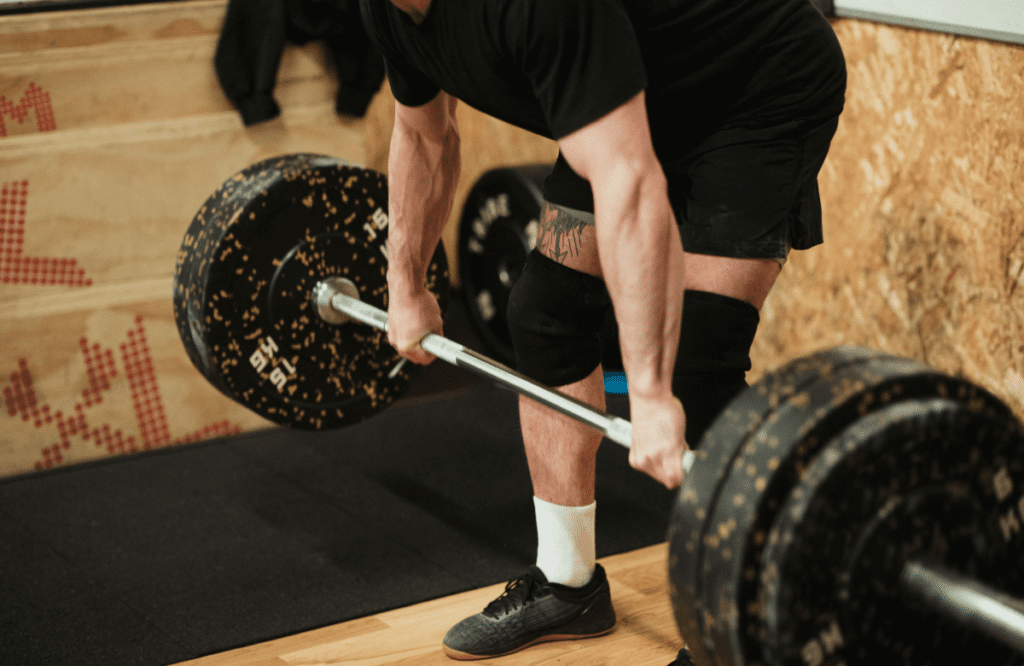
741,192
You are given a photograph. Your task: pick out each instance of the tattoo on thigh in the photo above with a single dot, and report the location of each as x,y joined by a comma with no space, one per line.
561,231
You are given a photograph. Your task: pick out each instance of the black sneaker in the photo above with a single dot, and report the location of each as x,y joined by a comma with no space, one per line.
531,610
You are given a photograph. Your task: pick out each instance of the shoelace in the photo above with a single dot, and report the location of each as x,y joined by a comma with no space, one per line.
516,593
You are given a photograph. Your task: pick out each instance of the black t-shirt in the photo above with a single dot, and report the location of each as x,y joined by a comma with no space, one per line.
553,66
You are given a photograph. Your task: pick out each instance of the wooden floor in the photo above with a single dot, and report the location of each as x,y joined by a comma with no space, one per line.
646,633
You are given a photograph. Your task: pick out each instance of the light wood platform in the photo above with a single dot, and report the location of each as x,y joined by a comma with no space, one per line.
646,634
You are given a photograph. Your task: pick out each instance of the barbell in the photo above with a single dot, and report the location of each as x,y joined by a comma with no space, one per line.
851,507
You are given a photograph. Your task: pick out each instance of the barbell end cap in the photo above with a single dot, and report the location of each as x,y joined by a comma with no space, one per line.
620,431
322,295
688,458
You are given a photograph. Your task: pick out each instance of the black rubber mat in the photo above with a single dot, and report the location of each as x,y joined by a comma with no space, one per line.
180,553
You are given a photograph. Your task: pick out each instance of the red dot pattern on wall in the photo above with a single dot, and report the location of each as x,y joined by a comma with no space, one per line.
21,402
34,98
19,396
149,408
15,268
99,368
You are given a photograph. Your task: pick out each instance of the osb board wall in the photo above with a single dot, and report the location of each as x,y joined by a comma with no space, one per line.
114,133
924,213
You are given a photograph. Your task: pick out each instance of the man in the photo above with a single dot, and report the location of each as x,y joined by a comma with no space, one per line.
690,136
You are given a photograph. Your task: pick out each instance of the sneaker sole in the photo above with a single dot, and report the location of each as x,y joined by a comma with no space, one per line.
466,656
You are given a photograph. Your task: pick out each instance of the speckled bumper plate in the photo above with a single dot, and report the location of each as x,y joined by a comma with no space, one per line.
243,280
746,468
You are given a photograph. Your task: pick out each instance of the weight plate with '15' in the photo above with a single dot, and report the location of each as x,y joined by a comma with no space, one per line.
244,283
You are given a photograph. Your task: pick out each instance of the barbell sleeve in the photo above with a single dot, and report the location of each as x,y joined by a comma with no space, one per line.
616,429
966,601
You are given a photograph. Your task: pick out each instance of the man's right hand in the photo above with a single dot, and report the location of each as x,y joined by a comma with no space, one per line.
659,439
411,316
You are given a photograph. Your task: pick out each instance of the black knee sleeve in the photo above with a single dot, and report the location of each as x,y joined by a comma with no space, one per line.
713,357
555,315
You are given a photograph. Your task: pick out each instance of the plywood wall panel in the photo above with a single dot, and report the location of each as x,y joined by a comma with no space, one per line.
119,215
140,24
121,210
115,133
115,381
924,212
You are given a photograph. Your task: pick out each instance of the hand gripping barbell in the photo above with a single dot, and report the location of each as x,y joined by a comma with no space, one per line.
851,507
615,428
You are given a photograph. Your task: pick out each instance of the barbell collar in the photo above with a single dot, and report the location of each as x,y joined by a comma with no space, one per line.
321,294
616,429
966,601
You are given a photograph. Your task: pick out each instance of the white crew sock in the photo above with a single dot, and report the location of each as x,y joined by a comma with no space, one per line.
566,542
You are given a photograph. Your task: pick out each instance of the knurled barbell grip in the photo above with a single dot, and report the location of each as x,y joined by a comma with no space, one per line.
966,601
616,429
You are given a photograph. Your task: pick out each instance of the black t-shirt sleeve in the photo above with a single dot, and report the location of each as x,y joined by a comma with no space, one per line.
409,85
581,57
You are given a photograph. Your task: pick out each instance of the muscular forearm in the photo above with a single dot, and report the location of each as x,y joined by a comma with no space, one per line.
638,242
642,261
643,266
423,171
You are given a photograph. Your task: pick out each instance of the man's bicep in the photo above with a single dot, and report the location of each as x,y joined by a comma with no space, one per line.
619,139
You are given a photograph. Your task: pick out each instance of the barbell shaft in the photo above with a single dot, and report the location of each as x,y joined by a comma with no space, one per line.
616,429
966,601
